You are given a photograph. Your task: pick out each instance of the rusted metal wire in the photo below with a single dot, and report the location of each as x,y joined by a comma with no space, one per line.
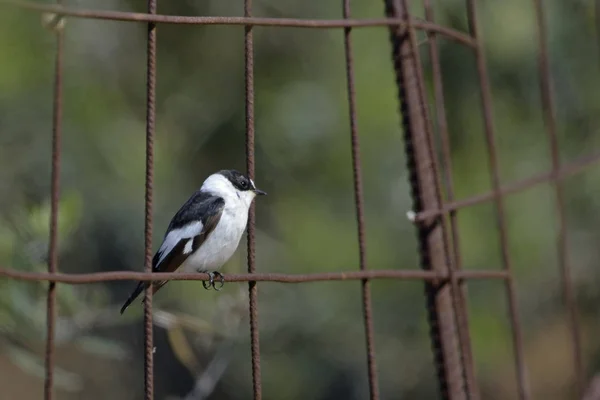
358,200
247,21
486,102
54,203
565,171
95,277
458,289
425,193
150,129
439,245
252,287
561,241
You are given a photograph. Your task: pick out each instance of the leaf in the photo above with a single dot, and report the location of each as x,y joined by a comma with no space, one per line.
182,349
69,215
102,347
68,299
33,365
168,320
70,211
7,244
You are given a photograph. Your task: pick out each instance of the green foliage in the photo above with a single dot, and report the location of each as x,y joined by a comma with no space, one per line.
312,338
23,306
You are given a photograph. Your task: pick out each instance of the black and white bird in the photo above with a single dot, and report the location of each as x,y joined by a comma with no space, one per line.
206,231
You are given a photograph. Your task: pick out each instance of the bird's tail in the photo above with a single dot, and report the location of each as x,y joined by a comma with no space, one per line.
139,289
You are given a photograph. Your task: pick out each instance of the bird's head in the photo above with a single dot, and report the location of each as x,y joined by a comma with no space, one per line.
232,183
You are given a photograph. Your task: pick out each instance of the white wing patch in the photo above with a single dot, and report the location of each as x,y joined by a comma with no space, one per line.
173,237
188,247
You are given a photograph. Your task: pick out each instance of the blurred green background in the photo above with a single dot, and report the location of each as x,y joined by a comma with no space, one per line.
312,337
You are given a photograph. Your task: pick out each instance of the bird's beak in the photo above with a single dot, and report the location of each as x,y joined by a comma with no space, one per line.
260,192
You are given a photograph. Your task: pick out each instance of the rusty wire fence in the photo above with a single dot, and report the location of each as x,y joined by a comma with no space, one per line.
430,172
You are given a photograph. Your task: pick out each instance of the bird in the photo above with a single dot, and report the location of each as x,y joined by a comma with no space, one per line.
205,231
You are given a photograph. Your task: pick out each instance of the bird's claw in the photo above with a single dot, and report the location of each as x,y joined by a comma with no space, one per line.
221,280
211,281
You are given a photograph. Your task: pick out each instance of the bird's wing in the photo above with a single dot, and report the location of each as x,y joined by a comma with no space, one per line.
189,228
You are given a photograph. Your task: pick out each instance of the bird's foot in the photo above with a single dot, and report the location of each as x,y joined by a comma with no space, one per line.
211,281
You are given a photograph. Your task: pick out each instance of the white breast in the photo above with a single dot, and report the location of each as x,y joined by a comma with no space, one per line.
222,242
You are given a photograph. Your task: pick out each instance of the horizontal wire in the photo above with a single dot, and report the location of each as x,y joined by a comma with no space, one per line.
566,171
95,277
248,21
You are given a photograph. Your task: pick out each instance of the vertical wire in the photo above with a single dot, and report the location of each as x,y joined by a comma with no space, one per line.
150,129
54,203
459,289
358,199
252,288
446,308
561,240
486,100
426,194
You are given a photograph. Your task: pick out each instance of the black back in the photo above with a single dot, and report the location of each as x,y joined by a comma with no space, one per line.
237,179
198,208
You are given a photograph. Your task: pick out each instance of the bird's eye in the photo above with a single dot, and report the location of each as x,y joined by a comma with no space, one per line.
244,184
